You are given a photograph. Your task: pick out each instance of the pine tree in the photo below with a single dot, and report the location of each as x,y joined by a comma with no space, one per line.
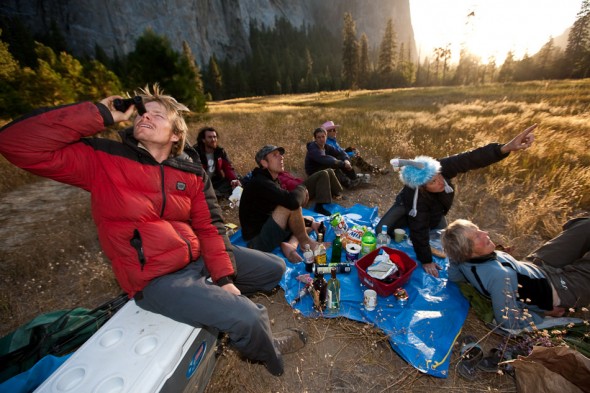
350,53
214,79
55,39
423,77
364,62
11,102
187,82
491,68
19,40
405,66
101,82
467,70
56,90
308,70
524,69
438,54
545,61
9,67
152,61
506,73
577,52
387,56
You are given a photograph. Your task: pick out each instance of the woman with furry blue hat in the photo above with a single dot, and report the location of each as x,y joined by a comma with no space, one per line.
428,194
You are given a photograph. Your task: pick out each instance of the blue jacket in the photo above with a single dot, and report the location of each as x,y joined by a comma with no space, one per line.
317,159
334,143
511,285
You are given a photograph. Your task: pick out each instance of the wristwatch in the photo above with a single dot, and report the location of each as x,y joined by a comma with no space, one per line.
224,281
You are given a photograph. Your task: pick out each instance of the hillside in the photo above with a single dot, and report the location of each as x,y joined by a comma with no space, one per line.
211,27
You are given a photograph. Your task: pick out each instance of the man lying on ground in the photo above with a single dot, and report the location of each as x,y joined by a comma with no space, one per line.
552,279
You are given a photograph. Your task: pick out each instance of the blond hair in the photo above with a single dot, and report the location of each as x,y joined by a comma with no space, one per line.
456,242
174,111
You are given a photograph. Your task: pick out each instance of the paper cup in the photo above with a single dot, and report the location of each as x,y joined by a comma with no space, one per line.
370,299
352,252
399,235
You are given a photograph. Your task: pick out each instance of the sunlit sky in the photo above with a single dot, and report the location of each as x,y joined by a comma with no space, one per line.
494,27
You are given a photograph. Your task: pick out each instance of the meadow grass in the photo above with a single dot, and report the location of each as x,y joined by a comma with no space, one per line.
528,195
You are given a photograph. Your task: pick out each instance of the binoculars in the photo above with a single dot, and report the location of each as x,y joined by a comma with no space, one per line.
123,104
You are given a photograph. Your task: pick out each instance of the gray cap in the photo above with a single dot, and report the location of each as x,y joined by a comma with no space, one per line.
267,149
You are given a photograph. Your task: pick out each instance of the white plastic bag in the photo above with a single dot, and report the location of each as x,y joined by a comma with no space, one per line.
234,198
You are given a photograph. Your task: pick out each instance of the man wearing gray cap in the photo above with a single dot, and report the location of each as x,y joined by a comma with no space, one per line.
270,215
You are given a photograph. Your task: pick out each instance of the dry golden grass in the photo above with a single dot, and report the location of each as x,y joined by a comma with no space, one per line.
528,194
56,261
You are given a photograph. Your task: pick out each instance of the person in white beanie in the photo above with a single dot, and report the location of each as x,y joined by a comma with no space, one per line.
428,194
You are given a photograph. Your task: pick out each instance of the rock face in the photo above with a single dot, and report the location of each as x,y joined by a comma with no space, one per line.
219,27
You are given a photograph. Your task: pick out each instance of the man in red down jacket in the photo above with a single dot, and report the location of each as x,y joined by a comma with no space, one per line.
157,215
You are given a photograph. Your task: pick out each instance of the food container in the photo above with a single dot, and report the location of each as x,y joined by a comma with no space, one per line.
405,264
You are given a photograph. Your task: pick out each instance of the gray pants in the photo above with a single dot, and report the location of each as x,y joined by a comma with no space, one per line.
190,297
566,260
322,185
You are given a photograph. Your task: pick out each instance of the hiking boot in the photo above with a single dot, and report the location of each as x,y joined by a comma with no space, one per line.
354,182
289,340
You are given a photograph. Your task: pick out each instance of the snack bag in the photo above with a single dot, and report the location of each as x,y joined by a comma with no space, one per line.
338,224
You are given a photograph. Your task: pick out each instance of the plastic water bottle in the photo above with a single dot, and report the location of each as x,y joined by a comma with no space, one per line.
309,258
383,239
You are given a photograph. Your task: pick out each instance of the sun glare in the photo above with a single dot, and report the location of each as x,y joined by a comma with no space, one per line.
490,28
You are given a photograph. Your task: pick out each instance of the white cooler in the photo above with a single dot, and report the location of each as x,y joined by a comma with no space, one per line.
137,351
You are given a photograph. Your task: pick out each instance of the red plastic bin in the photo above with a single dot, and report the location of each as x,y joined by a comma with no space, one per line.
405,264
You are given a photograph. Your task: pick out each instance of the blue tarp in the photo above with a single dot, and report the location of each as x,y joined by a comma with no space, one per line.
422,331
31,379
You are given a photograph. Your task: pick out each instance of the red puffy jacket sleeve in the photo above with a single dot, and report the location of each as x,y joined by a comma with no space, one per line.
31,143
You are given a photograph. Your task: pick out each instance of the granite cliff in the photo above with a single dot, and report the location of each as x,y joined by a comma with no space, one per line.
219,27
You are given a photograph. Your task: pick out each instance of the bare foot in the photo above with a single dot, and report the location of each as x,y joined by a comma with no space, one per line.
290,253
312,244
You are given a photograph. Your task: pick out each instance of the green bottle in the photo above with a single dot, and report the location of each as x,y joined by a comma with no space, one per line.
333,294
336,250
368,242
